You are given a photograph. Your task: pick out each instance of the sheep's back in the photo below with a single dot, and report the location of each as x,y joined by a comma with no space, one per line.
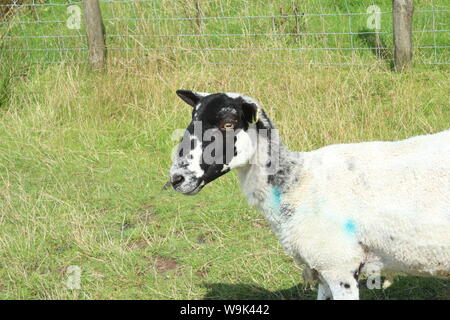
392,197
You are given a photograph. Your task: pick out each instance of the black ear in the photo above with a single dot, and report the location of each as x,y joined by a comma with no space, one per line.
190,97
250,112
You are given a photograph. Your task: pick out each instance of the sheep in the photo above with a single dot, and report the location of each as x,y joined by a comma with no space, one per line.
341,211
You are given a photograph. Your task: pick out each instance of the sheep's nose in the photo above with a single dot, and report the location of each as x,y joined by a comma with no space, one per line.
177,179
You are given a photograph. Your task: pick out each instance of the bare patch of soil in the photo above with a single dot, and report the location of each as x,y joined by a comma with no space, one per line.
147,214
163,264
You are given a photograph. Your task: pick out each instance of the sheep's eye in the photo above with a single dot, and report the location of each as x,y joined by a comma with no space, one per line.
228,126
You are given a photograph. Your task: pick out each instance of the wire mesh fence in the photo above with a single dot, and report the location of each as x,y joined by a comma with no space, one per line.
243,32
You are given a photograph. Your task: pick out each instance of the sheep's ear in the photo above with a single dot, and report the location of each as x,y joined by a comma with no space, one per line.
191,97
251,110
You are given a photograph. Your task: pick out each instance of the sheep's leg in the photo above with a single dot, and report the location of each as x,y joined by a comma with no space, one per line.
324,292
342,287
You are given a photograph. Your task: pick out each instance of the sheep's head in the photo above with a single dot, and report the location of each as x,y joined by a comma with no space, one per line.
218,139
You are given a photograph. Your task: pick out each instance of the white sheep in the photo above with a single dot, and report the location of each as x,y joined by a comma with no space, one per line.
342,210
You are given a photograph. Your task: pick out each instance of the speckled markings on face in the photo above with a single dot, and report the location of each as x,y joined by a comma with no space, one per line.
195,157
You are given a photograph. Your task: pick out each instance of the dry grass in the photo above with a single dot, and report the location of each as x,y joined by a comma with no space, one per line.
83,158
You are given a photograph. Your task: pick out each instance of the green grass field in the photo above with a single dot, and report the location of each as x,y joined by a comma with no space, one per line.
84,156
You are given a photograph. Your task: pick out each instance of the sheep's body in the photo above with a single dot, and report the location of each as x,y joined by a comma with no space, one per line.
365,207
341,210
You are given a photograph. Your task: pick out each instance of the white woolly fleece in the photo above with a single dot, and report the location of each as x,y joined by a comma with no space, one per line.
364,207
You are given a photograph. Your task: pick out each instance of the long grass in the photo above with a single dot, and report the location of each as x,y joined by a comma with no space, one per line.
84,156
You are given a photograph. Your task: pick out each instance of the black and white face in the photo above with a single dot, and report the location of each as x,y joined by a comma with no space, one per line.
217,140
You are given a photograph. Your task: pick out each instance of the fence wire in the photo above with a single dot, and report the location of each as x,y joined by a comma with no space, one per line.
235,32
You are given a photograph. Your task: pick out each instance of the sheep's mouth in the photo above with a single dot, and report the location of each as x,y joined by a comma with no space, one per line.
200,185
187,188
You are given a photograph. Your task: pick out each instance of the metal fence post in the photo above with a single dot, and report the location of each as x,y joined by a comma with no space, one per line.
402,13
95,33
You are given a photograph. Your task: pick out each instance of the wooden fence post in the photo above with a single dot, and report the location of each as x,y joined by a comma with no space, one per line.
402,13
95,33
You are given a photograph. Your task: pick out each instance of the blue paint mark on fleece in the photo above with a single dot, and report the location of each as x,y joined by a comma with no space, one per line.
276,197
350,227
